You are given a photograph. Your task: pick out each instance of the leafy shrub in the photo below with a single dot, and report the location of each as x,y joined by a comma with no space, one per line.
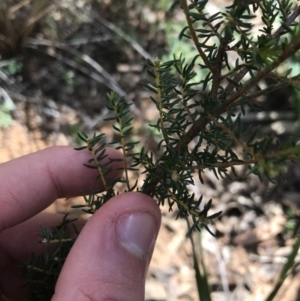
200,121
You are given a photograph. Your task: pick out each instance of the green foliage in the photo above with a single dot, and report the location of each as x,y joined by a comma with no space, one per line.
5,119
287,269
42,271
200,120
6,106
201,275
10,67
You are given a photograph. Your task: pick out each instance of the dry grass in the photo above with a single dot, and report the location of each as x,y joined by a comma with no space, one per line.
17,23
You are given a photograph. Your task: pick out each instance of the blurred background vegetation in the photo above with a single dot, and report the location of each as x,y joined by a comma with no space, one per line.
65,55
71,53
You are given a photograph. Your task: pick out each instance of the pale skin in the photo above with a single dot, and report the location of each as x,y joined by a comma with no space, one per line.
110,257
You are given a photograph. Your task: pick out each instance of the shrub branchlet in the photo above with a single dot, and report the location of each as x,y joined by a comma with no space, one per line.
200,121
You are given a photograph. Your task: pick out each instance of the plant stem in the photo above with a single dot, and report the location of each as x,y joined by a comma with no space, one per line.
194,36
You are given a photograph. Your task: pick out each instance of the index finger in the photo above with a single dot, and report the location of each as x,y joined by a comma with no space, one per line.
31,183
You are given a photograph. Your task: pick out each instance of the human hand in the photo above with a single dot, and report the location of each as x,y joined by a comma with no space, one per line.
110,257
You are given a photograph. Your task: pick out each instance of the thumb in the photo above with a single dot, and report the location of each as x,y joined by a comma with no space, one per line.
110,257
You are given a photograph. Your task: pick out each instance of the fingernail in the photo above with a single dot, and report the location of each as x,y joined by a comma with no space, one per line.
137,232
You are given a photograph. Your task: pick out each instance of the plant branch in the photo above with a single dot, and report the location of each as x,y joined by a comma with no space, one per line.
159,98
267,90
194,36
221,164
208,22
123,144
232,135
257,159
275,35
289,51
217,78
201,219
288,22
92,151
289,81
200,124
